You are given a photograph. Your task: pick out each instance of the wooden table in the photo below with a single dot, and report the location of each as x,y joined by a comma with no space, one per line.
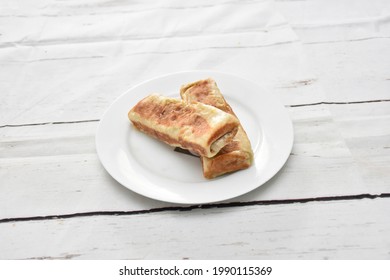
63,63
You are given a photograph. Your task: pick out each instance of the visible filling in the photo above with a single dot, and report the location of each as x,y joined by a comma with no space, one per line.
169,140
221,142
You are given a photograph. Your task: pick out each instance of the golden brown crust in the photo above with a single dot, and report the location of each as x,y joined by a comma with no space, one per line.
225,163
207,92
172,113
200,128
237,154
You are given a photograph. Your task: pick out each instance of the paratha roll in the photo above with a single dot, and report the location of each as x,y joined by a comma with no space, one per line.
237,154
199,128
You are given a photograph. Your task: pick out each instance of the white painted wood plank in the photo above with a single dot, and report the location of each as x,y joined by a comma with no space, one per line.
106,67
53,169
352,71
366,130
354,77
49,89
356,229
347,43
322,21
79,95
128,21
76,71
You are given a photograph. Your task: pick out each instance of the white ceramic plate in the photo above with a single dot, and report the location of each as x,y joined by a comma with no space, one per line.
151,168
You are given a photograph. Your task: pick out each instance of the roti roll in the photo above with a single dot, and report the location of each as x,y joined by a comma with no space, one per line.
199,128
238,154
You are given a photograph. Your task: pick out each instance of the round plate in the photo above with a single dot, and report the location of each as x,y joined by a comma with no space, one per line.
153,169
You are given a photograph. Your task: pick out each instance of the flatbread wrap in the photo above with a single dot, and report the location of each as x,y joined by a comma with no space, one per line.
197,127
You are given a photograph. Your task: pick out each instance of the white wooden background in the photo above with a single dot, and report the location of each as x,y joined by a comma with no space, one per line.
63,62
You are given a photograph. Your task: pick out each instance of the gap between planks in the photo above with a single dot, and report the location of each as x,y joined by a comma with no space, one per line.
289,106
198,206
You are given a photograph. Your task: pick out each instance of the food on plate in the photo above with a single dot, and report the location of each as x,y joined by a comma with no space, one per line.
197,127
238,153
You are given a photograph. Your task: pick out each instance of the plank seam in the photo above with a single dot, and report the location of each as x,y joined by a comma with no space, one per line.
289,106
198,206
339,103
47,123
